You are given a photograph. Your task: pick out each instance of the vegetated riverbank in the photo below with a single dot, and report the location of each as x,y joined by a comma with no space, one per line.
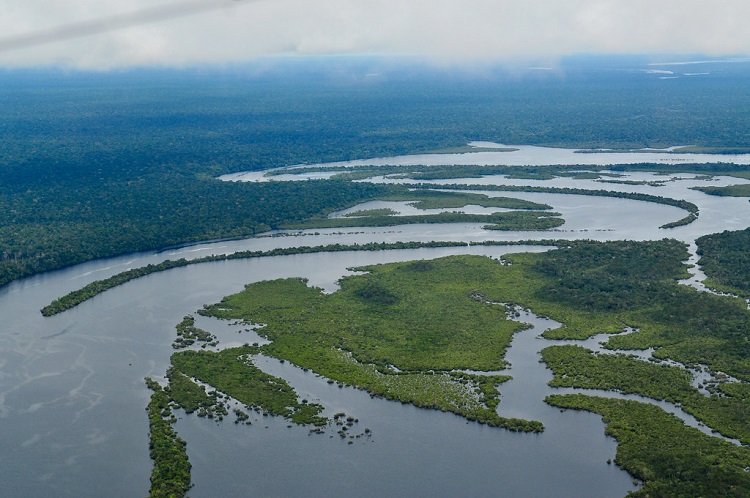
680,203
385,329
95,288
513,220
670,458
725,258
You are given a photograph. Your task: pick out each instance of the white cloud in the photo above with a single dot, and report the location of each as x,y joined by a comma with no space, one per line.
451,30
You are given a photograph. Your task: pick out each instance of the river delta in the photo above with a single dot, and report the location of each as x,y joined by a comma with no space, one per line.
72,393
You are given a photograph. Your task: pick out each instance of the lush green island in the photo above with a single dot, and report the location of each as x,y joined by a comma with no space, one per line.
410,332
404,332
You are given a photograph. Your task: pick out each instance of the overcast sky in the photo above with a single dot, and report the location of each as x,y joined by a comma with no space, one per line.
102,34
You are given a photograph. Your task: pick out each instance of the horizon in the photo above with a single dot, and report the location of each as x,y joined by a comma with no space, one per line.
186,33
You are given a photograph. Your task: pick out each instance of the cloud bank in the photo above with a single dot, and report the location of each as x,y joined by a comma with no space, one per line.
106,34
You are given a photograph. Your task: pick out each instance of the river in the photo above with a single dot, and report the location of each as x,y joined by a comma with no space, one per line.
72,395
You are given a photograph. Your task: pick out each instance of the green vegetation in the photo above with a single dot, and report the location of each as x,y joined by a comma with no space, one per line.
705,170
682,204
438,199
171,475
725,258
405,331
76,297
188,333
115,219
123,162
371,212
742,190
232,372
682,221
192,397
574,366
596,287
670,458
511,220
425,318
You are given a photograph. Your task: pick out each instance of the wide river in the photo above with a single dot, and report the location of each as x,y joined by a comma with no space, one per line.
72,396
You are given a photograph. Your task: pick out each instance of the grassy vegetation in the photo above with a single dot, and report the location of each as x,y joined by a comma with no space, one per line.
681,222
191,397
601,287
424,317
402,331
171,474
232,372
671,459
512,220
742,190
574,366
437,199
76,297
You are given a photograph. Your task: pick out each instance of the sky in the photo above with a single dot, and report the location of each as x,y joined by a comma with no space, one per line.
109,34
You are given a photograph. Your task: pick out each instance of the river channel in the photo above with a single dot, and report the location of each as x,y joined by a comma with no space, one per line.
72,395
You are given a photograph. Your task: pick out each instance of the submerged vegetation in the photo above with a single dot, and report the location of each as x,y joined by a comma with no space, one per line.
188,334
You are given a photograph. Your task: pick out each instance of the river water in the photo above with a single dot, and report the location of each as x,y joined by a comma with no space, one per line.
72,395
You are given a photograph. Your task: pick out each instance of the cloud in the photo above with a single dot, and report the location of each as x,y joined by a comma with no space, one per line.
106,34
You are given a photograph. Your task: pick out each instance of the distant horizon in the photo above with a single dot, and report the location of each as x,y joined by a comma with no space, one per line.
516,67
178,33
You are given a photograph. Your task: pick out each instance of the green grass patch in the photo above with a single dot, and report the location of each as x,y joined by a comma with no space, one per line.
424,318
742,190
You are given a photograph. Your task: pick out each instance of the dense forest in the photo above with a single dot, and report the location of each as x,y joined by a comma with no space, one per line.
725,258
96,164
